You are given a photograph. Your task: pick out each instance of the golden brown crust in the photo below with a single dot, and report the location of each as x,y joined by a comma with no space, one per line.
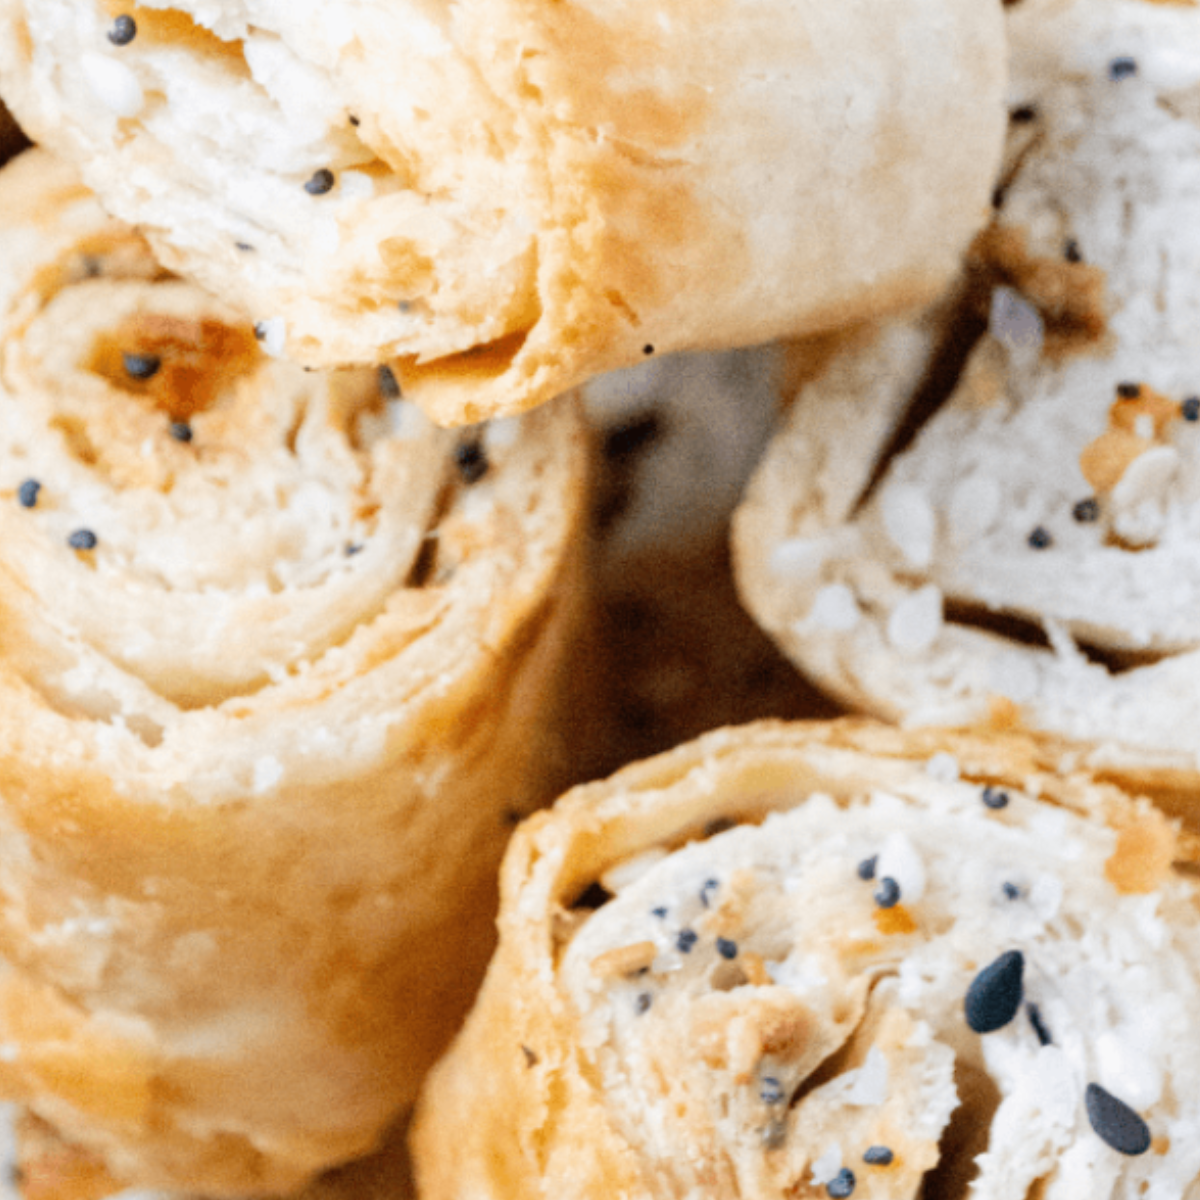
249,889
515,1110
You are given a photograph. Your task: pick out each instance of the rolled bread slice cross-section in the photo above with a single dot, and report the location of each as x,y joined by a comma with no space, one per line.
832,960
280,665
506,198
1033,553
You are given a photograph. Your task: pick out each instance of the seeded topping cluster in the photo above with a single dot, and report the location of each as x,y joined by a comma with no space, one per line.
754,991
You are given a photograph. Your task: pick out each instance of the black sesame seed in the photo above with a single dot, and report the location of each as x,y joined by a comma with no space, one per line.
659,912
1039,537
123,31
710,885
647,349
1010,890
1086,511
1121,68
642,1003
353,548
841,1185
389,386
1072,252
995,993
1115,1122
1191,408
141,366
726,948
243,246
320,182
686,940
879,1156
181,431
1039,1026
82,539
471,461
866,868
27,493
1023,114
887,895
994,798
1129,391
260,330
770,1090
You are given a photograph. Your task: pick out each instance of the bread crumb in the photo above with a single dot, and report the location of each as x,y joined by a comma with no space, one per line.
1142,859
624,960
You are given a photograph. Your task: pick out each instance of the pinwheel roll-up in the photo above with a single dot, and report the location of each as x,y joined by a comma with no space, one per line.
280,664
832,960
1032,550
506,197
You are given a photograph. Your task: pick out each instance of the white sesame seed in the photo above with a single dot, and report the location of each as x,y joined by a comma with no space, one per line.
274,336
899,860
835,608
915,623
942,767
113,84
910,523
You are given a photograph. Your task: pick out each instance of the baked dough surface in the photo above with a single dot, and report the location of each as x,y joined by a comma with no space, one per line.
519,194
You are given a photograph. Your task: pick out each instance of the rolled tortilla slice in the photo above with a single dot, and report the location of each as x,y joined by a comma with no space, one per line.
508,198
280,664
829,960
1033,553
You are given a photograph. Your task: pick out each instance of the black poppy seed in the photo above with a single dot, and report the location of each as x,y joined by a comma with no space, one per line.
726,948
1039,537
27,493
1115,1123
686,940
995,993
404,305
1039,1026
82,539
1190,408
994,798
352,548
243,246
320,182
181,431
1129,391
647,349
141,366
841,1185
1072,252
866,868
642,1003
1010,890
471,461
878,1156
770,1090
1023,114
389,385
710,885
1086,511
887,895
123,31
659,912
1122,68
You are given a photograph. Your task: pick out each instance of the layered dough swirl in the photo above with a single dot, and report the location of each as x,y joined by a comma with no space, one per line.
1033,550
280,664
832,960
509,196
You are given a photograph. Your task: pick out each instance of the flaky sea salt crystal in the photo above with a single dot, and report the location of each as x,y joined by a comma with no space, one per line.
827,1166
